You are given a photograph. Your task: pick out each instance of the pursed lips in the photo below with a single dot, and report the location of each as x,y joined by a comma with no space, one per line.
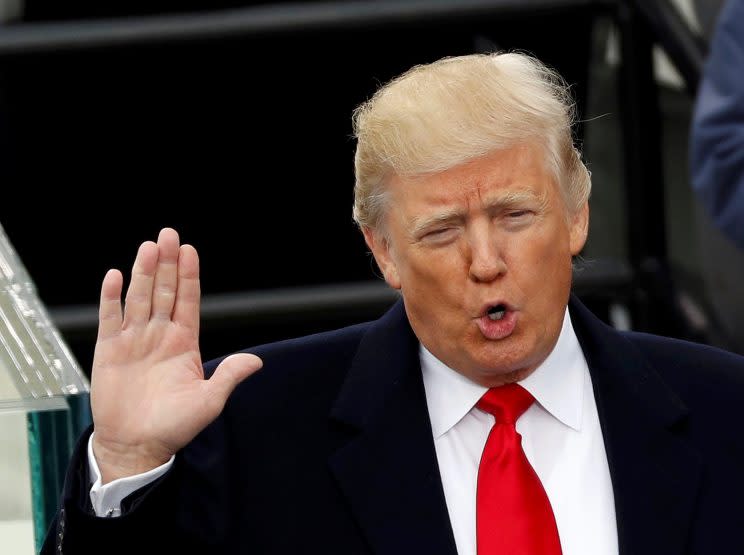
495,307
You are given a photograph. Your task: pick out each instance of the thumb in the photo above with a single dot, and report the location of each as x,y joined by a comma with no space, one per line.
230,372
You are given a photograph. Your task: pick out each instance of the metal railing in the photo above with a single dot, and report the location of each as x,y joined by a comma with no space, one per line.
276,19
331,300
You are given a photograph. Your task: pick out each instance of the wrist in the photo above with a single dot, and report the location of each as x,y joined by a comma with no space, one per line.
117,460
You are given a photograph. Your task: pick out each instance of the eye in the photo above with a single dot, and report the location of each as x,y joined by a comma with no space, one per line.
439,234
518,219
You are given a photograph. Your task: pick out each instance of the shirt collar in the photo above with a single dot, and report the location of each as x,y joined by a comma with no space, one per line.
557,385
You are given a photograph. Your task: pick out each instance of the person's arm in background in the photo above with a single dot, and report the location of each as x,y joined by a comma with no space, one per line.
149,397
717,135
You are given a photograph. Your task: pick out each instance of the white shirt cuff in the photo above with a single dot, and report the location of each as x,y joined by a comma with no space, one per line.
106,499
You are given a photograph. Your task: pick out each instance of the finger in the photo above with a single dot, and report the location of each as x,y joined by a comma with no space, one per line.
230,372
186,310
166,275
109,311
139,293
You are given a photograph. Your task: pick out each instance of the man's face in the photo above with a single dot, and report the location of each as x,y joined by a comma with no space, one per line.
482,256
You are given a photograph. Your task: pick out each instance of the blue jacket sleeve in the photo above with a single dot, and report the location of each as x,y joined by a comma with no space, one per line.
717,137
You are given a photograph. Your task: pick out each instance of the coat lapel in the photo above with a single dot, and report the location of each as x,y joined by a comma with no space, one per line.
387,466
655,473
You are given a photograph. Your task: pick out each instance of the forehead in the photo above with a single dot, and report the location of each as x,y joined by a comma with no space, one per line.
511,174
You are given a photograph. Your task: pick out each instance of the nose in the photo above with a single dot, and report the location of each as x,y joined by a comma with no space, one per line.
486,259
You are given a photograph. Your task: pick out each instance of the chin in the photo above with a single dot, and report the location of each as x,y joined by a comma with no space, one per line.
506,358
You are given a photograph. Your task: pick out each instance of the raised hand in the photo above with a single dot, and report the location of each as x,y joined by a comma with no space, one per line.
148,393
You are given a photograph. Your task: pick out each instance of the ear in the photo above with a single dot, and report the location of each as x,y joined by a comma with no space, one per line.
579,228
381,250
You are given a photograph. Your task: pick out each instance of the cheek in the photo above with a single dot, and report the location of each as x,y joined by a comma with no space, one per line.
433,277
429,266
542,262
556,272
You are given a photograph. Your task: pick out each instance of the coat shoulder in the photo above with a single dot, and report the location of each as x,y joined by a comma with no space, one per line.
693,370
311,365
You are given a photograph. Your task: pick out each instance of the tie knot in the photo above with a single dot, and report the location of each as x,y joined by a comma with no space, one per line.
506,403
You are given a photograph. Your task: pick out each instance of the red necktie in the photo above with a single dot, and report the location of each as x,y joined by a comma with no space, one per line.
513,513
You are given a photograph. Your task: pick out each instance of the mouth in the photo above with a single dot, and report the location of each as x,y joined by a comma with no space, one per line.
497,311
497,320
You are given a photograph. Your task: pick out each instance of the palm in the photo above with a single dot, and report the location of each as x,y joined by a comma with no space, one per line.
159,369
149,396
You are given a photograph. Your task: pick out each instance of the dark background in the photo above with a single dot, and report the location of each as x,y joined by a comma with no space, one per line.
243,143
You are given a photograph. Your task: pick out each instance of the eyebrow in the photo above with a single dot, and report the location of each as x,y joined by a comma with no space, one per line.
515,198
498,202
422,224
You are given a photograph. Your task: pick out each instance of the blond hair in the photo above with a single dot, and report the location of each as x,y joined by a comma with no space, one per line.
437,116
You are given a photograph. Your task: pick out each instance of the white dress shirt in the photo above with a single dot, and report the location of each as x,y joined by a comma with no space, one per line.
561,435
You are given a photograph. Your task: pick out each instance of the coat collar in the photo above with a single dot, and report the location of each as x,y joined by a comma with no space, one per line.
655,472
388,471
388,468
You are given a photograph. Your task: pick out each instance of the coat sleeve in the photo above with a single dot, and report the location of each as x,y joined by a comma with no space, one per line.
165,516
717,134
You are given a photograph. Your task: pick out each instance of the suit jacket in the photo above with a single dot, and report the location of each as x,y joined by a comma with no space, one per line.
328,449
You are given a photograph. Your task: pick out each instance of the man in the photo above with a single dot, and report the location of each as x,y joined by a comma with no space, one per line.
717,130
403,435
716,167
